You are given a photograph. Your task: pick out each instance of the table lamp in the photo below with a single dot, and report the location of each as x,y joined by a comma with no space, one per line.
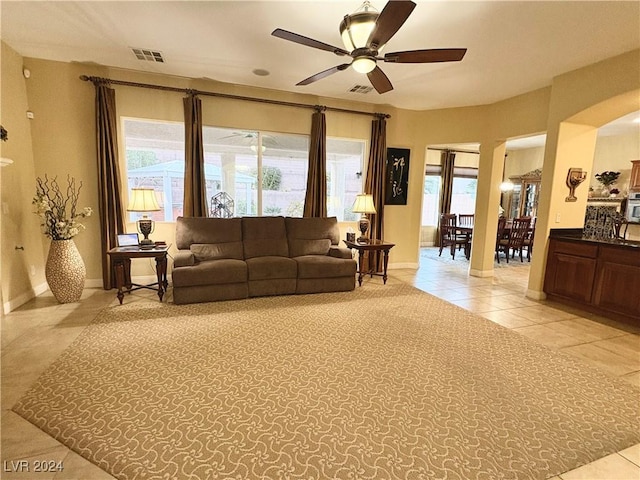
143,199
364,205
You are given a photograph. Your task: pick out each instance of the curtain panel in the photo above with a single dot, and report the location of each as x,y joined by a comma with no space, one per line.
195,189
109,188
447,161
375,180
315,200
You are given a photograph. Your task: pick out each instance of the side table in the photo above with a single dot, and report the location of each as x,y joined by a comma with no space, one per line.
371,246
121,261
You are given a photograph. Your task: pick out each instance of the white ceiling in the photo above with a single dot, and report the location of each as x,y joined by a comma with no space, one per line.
513,47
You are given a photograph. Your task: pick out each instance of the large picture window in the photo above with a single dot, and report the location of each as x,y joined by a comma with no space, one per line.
250,173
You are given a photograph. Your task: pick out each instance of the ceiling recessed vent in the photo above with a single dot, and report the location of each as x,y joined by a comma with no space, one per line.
148,55
360,89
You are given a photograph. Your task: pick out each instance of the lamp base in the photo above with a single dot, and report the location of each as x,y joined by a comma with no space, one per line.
363,225
146,226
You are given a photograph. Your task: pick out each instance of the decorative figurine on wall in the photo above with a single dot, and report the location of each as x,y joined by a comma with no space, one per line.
574,178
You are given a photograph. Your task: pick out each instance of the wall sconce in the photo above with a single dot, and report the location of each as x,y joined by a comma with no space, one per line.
575,177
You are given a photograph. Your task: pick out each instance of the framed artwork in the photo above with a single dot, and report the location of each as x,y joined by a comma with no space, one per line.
397,176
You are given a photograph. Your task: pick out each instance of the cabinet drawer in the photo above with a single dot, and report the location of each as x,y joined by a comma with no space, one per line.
577,249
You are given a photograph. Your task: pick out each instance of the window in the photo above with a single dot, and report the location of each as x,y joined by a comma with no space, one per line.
155,158
431,196
431,200
263,173
463,194
251,173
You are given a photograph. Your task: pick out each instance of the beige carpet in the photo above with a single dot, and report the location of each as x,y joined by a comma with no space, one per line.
385,382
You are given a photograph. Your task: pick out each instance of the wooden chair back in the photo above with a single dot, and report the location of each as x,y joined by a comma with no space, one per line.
502,223
448,225
519,231
466,220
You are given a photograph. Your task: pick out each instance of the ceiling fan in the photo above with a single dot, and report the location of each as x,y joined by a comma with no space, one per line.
364,33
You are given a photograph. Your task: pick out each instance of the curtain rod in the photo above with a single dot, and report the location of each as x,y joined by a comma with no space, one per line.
98,80
452,150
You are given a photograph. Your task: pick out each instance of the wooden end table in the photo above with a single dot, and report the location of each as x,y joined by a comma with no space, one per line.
371,246
121,261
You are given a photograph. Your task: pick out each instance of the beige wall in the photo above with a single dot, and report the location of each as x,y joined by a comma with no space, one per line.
63,141
615,153
21,243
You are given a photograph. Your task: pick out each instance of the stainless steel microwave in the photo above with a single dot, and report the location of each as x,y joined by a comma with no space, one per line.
633,207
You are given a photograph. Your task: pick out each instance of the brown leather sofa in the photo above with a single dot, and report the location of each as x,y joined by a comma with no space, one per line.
233,258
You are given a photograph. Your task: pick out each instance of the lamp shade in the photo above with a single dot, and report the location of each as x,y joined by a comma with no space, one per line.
356,28
143,199
364,204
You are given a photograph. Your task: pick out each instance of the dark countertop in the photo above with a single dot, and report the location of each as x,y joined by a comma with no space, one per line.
575,235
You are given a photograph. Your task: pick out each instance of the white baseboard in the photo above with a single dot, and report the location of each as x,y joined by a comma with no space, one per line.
480,273
397,266
427,244
535,294
20,300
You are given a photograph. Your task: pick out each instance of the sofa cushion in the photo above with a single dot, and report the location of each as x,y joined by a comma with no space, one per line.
311,228
215,251
316,266
270,267
264,236
190,230
298,247
211,272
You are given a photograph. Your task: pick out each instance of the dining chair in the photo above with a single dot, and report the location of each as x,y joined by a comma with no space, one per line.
502,223
449,235
517,234
528,241
465,220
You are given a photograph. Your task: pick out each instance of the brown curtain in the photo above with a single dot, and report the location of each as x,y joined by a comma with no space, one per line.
195,191
447,160
315,200
109,189
375,181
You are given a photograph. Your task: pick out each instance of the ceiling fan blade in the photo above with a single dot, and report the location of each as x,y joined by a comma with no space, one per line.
306,41
427,56
324,73
379,80
393,15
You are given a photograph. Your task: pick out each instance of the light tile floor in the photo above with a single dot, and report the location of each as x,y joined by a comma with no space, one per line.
36,333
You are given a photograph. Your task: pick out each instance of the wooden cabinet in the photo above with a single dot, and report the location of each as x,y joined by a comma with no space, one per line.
634,181
616,285
571,269
599,277
522,201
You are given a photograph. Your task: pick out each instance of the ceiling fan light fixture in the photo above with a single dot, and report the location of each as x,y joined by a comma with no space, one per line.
356,28
363,64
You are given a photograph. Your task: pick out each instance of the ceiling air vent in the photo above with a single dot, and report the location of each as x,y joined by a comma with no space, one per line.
361,89
148,55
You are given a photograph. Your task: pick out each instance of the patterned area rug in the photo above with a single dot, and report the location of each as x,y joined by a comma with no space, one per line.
385,382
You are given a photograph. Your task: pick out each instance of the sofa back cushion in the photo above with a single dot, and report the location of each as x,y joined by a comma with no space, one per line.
264,236
312,235
202,230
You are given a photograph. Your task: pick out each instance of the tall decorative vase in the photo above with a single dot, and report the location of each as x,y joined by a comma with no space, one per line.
65,271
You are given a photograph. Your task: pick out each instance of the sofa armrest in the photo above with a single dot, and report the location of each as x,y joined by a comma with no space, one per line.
184,258
340,252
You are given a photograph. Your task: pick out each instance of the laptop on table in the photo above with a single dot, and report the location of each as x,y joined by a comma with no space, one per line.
128,241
